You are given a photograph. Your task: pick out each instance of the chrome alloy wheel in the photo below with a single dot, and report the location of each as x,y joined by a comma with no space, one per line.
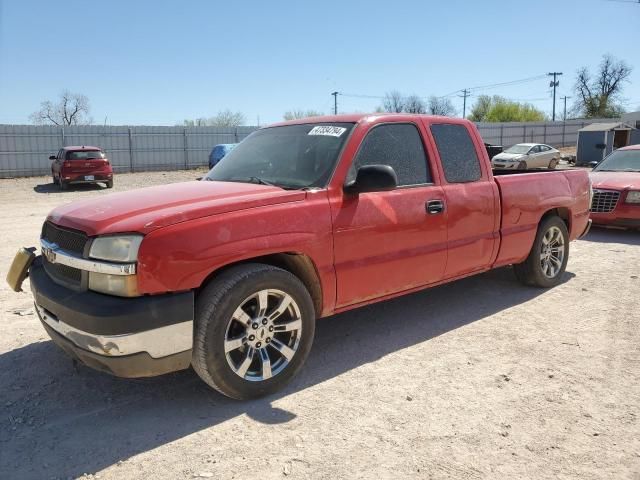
552,252
263,335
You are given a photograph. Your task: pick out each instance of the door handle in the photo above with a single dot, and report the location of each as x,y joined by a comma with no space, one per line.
434,207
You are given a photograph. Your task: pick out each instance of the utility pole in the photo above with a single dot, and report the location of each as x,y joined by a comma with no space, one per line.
554,84
465,93
335,103
564,116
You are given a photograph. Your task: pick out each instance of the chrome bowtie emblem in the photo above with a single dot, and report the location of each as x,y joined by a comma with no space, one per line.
49,254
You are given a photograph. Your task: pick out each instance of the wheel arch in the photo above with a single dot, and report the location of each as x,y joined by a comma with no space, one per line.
563,212
298,264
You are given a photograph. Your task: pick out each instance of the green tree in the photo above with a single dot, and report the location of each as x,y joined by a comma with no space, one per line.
480,109
500,109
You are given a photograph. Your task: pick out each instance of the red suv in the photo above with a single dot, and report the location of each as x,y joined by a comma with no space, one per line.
81,165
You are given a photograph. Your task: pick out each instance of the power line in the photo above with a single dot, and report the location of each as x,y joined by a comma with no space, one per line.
335,102
504,84
455,92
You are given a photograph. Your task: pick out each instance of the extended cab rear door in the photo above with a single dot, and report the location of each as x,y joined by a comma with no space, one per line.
471,195
388,242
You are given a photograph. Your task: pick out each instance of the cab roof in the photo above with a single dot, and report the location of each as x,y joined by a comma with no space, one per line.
365,117
630,147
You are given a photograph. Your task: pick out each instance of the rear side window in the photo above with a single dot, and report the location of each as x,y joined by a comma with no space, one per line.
457,153
400,147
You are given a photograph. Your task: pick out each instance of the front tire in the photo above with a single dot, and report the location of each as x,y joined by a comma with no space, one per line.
553,164
547,261
110,184
254,328
522,165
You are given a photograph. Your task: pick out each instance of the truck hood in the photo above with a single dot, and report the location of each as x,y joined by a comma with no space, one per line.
147,209
615,180
508,156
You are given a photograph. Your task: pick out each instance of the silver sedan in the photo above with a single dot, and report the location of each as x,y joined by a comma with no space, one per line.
527,155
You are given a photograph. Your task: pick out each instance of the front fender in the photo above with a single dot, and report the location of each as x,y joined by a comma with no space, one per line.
180,257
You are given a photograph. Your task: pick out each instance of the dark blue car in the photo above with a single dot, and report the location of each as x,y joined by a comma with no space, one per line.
218,153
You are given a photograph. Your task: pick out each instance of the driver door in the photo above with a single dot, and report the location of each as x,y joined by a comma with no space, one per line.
391,241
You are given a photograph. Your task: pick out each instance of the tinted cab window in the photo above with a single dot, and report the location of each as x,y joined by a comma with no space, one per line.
397,145
457,153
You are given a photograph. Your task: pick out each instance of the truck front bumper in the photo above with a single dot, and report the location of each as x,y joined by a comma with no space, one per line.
127,337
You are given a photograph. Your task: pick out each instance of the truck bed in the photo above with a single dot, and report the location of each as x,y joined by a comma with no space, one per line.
521,201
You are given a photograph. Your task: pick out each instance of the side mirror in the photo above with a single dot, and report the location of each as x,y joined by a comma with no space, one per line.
373,178
52,157
594,164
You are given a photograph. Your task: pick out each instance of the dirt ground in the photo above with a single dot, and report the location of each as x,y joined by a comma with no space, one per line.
482,378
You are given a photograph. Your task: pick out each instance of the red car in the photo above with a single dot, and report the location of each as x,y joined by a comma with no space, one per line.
73,165
616,189
301,220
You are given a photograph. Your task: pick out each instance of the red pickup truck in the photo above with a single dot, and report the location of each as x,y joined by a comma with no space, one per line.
301,220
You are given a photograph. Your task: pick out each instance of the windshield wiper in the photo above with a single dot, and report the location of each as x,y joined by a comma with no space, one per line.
261,181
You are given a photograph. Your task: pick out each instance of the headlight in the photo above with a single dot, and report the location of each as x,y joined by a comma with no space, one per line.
121,248
116,248
120,285
633,196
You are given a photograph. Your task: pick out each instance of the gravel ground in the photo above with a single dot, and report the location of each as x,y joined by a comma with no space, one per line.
482,378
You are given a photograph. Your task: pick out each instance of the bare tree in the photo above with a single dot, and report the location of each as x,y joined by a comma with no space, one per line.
225,118
599,95
296,114
440,106
414,104
72,109
393,102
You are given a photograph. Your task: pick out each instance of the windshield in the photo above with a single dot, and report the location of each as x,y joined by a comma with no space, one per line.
291,156
85,154
620,161
518,149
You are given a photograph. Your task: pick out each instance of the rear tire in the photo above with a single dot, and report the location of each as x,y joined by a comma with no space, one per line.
110,184
553,164
547,261
242,346
522,165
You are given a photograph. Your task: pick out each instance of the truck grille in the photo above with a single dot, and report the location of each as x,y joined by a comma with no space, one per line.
72,241
67,239
604,201
67,274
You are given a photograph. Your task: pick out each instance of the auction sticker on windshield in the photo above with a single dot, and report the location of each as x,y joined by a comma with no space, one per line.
327,130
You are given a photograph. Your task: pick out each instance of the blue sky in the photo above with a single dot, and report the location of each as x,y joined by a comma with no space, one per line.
157,62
